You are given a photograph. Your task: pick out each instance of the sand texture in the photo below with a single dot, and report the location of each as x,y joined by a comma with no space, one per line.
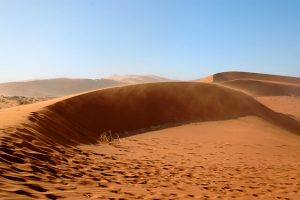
12,101
260,85
58,87
172,140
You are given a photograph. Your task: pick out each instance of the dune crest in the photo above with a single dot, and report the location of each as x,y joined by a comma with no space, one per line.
229,76
257,84
137,108
264,88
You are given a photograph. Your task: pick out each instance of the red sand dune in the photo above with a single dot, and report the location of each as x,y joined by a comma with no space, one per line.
41,157
264,88
121,110
229,76
257,84
283,104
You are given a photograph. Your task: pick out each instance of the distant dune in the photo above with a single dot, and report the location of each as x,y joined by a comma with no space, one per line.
229,76
133,79
54,87
257,84
264,88
65,86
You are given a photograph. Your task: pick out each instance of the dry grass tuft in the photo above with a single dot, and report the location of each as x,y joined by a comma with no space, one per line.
107,137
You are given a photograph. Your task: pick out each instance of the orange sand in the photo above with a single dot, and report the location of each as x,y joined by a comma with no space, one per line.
221,143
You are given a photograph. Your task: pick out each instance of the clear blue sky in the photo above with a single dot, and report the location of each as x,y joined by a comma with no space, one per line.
180,39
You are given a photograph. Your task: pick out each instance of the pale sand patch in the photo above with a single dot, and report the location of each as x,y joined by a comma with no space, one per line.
283,104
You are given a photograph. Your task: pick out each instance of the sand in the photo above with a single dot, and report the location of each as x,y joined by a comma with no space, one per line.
259,85
59,87
229,76
284,104
264,88
177,141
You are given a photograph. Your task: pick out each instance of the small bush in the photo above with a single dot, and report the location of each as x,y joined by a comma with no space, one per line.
107,137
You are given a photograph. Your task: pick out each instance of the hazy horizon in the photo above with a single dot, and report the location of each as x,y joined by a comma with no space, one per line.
181,40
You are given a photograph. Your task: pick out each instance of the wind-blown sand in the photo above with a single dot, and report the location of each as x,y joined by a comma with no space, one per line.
229,76
216,143
257,84
264,88
54,87
58,87
283,104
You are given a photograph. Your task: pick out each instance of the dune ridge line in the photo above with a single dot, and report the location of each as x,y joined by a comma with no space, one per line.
126,110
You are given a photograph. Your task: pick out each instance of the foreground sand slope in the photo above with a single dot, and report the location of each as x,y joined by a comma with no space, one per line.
244,158
40,157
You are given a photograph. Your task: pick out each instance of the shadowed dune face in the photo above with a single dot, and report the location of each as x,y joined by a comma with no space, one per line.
122,110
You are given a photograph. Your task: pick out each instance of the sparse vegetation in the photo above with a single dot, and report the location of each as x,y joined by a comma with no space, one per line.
108,138
11,101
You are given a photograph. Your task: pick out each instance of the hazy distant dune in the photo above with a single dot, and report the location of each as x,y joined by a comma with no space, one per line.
133,79
54,87
66,86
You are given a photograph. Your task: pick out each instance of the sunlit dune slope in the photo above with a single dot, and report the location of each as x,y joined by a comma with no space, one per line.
229,76
121,110
257,84
137,79
264,88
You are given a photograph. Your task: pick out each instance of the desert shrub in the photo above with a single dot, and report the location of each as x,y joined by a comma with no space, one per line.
107,137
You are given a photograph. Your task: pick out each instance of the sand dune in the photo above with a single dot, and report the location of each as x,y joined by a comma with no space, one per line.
207,79
134,79
124,109
257,84
65,86
229,76
283,104
54,87
264,88
241,149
